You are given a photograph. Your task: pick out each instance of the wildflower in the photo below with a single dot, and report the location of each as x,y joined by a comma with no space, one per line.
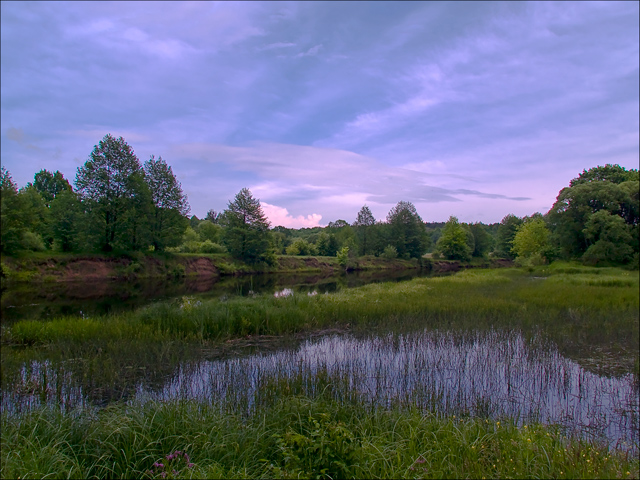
420,460
190,465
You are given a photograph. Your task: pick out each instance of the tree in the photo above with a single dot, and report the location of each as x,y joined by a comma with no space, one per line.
34,214
213,216
483,239
246,229
50,185
452,244
11,225
531,242
610,239
327,245
105,183
300,246
407,231
170,206
610,188
66,215
610,173
505,235
363,224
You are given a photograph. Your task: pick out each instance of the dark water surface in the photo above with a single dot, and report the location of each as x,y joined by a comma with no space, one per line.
49,300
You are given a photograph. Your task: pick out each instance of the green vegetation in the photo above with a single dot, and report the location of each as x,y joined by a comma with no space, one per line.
586,311
296,438
574,305
121,205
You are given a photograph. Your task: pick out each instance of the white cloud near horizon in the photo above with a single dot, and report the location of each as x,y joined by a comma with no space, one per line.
279,216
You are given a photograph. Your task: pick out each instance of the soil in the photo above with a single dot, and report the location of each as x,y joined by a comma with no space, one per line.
96,268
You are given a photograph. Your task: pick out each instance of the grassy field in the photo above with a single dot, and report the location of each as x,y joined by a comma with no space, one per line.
591,314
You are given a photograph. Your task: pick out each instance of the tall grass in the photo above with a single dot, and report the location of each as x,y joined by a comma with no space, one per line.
297,438
471,297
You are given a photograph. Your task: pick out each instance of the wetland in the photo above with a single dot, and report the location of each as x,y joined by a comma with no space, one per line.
496,372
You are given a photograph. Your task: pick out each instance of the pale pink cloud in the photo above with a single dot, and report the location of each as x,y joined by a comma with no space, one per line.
280,216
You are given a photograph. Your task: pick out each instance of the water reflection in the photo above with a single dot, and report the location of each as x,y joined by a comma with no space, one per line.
493,374
48,300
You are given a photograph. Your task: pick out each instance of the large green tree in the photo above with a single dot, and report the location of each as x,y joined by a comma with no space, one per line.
363,226
453,244
407,231
11,225
170,207
66,220
106,183
50,185
611,188
531,243
505,234
483,240
246,229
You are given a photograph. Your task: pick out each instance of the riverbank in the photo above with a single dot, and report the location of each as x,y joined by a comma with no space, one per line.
39,267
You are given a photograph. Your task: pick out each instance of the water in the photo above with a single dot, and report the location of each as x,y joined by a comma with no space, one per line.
492,373
49,300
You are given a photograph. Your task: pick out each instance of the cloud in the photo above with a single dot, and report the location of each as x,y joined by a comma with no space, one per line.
312,52
272,46
17,135
280,216
329,182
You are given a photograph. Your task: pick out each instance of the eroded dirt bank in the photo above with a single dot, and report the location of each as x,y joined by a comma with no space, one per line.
93,268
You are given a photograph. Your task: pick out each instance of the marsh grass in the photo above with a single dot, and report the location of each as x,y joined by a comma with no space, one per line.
586,312
296,438
486,297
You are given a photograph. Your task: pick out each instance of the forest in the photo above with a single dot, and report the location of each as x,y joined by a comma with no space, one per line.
119,204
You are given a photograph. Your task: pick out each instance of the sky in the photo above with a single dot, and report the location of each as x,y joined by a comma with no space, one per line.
476,110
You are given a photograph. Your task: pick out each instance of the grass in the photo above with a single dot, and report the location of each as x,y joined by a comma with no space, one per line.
297,438
583,310
562,304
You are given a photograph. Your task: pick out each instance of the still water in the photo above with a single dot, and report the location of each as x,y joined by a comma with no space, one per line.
49,300
492,374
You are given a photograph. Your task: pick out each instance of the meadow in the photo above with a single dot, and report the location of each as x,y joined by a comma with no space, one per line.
115,395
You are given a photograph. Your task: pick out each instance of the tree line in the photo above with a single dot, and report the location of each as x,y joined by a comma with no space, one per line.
119,204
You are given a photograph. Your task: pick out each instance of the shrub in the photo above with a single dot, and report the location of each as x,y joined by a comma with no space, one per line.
390,252
32,241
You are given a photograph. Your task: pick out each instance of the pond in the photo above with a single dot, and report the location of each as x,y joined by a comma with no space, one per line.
487,372
492,374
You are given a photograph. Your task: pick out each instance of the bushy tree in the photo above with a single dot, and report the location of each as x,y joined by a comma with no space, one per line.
50,185
610,239
327,245
363,226
300,246
610,188
170,206
246,229
407,231
531,243
452,244
66,219
483,241
105,184
11,225
34,213
505,235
